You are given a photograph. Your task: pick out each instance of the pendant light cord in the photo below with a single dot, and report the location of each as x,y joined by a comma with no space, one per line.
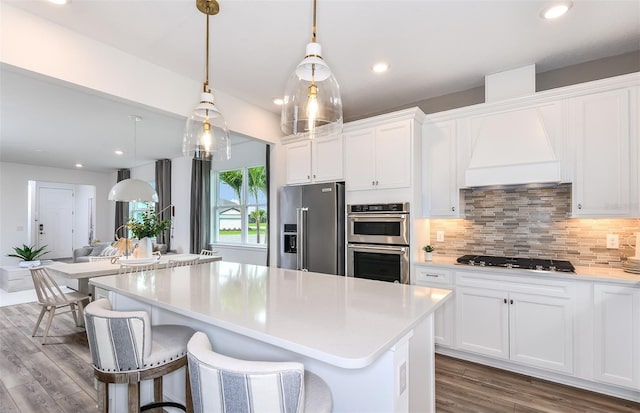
313,29
206,82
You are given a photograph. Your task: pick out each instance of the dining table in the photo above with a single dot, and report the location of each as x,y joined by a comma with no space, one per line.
83,271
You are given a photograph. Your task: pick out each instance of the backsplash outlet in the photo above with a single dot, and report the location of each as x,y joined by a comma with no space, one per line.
532,222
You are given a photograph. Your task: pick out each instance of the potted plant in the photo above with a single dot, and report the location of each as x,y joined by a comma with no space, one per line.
428,252
29,254
147,227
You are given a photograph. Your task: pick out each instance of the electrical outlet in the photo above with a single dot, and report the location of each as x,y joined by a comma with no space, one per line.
613,241
403,378
440,236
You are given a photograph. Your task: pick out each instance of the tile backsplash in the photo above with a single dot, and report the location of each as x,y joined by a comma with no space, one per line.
524,221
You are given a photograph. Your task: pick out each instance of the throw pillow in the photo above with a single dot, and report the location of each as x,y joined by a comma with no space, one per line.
98,248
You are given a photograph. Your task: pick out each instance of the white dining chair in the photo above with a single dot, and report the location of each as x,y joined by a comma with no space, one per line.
51,298
130,268
208,252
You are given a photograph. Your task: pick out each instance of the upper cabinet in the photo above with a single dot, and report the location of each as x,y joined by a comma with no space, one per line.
314,160
440,193
604,132
378,154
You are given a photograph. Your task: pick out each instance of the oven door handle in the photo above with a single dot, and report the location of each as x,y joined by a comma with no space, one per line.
380,248
378,217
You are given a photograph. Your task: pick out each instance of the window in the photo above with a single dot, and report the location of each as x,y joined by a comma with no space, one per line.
240,206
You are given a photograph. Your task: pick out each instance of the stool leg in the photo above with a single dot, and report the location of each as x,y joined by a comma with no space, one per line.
189,402
103,397
134,397
157,392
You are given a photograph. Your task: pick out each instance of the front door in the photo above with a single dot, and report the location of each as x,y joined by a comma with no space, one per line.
55,221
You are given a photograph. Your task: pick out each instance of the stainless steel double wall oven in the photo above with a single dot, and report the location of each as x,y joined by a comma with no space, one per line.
378,242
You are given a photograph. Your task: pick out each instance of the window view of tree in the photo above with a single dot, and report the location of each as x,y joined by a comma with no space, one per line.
240,210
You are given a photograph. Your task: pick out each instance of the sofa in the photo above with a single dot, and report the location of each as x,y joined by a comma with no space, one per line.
98,249
101,249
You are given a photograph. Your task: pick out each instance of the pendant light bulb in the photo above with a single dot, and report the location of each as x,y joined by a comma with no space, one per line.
206,136
312,104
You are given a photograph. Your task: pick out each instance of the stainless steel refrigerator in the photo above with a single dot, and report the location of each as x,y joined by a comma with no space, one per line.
312,228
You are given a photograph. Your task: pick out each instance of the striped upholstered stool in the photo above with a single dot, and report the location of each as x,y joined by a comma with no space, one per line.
224,384
126,348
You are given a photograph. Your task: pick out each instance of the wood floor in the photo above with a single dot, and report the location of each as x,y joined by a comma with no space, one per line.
58,377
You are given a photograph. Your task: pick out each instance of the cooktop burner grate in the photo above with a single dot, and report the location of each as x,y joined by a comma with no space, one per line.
522,263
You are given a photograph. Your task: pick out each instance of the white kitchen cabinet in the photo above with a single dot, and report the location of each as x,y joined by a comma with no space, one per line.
379,157
314,160
606,142
443,318
617,335
503,320
440,193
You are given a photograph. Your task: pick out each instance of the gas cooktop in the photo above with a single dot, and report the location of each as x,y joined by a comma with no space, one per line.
521,263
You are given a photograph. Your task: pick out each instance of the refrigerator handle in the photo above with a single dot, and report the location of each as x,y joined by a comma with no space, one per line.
301,236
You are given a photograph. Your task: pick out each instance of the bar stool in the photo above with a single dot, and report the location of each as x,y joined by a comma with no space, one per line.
126,348
130,268
183,263
225,384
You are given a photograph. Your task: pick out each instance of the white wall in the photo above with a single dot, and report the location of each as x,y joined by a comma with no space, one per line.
14,201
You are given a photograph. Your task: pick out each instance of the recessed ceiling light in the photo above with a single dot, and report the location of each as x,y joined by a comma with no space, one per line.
79,165
118,152
61,2
278,101
556,10
380,67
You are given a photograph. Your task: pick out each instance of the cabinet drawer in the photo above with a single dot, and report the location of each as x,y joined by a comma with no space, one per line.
437,276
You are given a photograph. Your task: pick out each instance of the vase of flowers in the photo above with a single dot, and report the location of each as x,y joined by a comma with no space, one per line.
145,228
428,252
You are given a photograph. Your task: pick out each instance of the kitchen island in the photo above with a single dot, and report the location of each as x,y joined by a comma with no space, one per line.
371,341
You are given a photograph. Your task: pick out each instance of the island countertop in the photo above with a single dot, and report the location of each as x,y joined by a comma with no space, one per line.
342,321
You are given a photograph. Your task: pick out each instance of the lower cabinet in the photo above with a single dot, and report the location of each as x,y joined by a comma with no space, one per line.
504,321
443,318
617,335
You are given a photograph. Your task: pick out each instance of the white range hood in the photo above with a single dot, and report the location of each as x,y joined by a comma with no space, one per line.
516,146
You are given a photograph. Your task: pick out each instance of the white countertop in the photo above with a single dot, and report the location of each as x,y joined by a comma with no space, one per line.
98,268
599,274
342,321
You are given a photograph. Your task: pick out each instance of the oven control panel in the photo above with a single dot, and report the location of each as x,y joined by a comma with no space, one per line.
401,207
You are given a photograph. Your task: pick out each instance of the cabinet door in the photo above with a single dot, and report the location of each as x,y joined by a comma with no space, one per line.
541,331
359,159
326,159
440,192
393,155
617,335
482,321
298,159
600,123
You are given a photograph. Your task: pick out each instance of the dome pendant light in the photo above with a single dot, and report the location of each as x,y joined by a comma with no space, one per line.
312,104
206,136
133,190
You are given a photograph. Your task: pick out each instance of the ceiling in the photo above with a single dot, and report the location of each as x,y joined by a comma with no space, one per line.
433,48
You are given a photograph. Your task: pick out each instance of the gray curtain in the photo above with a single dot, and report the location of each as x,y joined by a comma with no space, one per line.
267,167
200,205
163,187
122,208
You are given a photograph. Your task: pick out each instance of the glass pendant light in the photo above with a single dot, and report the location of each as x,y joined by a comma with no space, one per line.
312,103
133,190
206,136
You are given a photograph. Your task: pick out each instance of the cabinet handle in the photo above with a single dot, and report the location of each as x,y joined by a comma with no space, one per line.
432,275
373,183
314,175
376,183
505,300
511,302
308,177
453,209
579,206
